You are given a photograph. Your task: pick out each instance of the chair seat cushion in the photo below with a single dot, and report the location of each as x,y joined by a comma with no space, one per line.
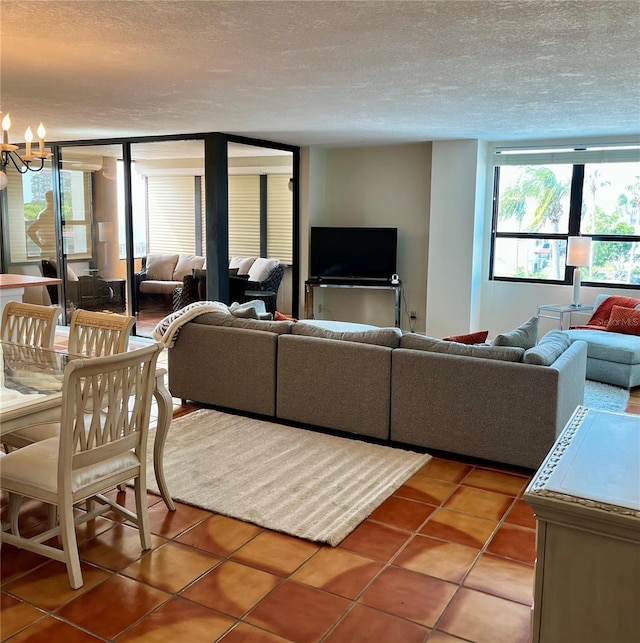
37,432
37,466
607,346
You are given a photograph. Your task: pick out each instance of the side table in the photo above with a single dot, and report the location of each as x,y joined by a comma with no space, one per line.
558,312
586,500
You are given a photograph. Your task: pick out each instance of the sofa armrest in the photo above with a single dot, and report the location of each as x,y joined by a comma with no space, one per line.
572,372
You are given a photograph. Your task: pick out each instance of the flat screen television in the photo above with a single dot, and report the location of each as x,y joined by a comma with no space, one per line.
352,253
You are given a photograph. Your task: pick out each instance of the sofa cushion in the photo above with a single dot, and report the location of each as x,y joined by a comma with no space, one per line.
607,346
470,338
434,345
380,336
159,287
624,320
160,267
185,266
524,336
548,349
229,320
262,268
243,264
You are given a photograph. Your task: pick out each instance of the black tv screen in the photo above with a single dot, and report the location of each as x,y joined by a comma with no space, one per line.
352,253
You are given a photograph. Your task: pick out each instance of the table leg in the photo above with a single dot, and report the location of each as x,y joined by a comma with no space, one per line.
308,302
165,413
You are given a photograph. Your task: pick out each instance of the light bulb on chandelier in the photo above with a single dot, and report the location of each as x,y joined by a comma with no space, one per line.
23,163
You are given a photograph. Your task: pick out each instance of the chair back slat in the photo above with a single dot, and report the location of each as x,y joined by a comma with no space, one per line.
30,324
96,333
123,384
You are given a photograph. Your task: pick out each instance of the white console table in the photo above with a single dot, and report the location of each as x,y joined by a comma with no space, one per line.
586,499
310,286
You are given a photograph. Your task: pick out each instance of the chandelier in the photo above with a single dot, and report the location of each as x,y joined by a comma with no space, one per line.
31,161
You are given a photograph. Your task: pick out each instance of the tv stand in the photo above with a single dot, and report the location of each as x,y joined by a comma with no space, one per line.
311,284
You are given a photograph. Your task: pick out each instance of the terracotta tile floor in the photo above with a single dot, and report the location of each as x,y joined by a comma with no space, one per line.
448,558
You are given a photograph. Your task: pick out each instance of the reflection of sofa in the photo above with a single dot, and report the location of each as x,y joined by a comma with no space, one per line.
162,273
380,384
249,278
612,357
194,288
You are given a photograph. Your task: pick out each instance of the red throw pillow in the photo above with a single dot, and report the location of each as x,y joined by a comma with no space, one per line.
601,314
471,338
624,320
282,317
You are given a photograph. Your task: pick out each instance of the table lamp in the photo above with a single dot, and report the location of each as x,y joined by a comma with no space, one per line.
578,255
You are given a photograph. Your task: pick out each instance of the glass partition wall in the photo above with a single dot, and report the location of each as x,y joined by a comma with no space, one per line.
101,211
29,227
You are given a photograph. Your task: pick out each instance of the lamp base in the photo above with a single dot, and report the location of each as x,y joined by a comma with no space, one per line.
577,280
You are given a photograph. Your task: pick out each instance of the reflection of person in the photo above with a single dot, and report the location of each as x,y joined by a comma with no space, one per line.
42,231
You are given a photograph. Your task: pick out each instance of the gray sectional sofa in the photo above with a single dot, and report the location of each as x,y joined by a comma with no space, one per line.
382,384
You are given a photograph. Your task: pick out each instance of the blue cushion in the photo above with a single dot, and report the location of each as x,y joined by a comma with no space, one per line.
611,347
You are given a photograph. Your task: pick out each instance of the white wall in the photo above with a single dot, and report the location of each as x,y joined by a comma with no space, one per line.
438,195
457,203
373,186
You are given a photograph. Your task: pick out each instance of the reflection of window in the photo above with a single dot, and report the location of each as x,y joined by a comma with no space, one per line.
138,199
26,200
544,196
76,214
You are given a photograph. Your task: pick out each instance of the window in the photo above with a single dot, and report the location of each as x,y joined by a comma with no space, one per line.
76,214
31,215
138,199
541,197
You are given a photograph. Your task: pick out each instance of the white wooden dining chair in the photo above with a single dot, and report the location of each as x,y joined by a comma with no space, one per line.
92,334
95,452
30,324
97,333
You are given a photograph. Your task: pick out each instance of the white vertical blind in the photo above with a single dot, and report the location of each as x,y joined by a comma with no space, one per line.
279,218
171,208
244,216
15,219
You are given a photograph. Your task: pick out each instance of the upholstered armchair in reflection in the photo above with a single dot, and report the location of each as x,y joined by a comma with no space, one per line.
194,288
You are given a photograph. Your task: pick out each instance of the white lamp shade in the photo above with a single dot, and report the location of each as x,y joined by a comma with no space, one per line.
579,251
105,231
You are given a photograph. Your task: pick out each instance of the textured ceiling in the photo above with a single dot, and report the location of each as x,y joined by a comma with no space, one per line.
328,73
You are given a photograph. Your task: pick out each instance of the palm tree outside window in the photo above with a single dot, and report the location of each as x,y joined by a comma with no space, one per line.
539,201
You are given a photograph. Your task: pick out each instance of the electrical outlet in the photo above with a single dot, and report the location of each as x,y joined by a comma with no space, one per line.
412,314
319,308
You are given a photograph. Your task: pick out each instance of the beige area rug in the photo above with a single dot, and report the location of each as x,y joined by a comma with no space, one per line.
307,484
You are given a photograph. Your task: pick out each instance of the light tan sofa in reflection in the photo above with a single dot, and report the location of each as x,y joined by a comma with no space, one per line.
162,273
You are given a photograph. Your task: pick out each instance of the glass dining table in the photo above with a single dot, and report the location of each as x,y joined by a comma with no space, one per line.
31,393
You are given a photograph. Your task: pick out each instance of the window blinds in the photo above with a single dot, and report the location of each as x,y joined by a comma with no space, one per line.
171,214
279,218
569,155
244,216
